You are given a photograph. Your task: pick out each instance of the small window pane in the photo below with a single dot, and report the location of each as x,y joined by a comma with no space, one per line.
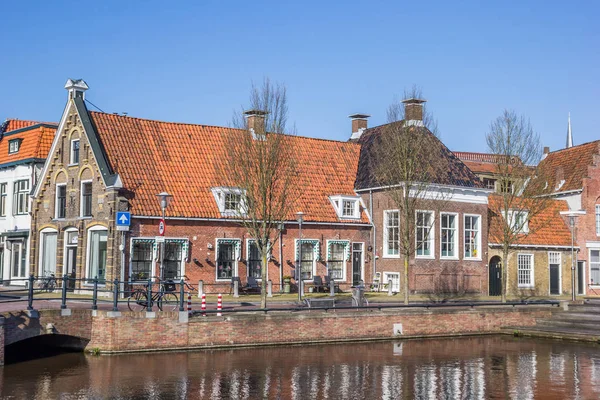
141,261
335,264
225,260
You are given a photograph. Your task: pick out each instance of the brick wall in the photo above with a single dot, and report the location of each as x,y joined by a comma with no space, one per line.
585,230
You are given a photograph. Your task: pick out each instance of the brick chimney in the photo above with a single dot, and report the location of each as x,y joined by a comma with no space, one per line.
413,111
359,125
546,151
256,120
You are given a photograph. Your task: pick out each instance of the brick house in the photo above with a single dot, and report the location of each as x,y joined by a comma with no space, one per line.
573,176
454,252
103,163
24,146
540,263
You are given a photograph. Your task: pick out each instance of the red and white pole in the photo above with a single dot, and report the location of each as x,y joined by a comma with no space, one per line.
219,305
203,304
189,303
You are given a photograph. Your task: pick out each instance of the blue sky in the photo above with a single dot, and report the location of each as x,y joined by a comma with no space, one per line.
195,61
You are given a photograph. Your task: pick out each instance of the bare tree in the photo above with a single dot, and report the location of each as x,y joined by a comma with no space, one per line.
260,164
517,150
406,161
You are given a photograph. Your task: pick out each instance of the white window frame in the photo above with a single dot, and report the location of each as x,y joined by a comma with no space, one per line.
431,238
347,252
597,219
531,285
88,251
395,287
184,253
550,253
17,194
14,145
56,201
220,193
3,199
72,152
386,253
315,242
337,202
236,258
511,220
66,245
456,235
153,262
81,202
478,242
43,233
592,283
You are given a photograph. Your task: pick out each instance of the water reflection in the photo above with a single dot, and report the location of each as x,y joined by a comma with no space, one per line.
468,368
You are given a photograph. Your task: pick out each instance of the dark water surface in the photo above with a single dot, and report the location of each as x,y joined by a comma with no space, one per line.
467,368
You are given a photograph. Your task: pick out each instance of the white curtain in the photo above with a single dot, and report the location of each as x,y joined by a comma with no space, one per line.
49,256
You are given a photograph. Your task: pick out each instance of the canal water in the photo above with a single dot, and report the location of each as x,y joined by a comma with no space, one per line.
491,367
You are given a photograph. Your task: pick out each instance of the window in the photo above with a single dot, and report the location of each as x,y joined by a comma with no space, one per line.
229,200
3,194
472,236
75,151
424,234
13,146
48,258
395,278
506,186
86,199
225,260
489,183
61,201
232,202
172,260
254,261
595,267
449,238
348,208
21,197
141,259
597,219
525,270
518,221
18,259
96,262
336,260
307,259
391,233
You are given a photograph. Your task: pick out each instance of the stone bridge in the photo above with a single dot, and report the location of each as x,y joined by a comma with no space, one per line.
113,332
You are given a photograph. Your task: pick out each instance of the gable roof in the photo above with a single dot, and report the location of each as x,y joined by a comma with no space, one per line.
14,124
548,227
450,171
482,163
570,165
35,144
153,156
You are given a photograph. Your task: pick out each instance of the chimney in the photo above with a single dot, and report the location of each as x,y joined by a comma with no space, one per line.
546,151
413,111
76,88
256,121
359,125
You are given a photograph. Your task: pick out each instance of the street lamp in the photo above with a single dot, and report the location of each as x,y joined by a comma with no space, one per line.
299,218
164,199
572,215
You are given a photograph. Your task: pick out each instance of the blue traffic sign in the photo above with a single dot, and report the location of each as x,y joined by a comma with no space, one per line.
123,219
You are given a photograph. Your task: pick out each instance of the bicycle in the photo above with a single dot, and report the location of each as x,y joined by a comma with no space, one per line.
165,298
47,283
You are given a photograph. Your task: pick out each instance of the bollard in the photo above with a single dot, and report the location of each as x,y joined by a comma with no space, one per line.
219,305
30,293
63,303
181,293
390,287
189,305
116,295
200,288
203,304
269,288
95,295
236,288
331,288
149,296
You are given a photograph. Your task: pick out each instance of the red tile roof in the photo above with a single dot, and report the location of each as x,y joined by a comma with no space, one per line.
154,156
547,227
35,143
485,163
14,124
570,165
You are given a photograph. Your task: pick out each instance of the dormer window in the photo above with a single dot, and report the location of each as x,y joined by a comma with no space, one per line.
346,206
230,201
518,220
14,145
74,151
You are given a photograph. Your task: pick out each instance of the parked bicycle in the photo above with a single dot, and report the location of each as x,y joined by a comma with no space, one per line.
165,298
47,283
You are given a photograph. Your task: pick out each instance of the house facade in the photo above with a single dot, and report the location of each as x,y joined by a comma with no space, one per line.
100,164
24,146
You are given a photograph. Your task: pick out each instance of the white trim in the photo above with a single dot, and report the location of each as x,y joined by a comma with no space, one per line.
81,198
296,251
344,258
479,249
236,259
71,153
592,244
66,245
431,235
590,267
362,261
153,261
40,262
584,275
385,235
56,217
290,222
386,280
248,241
456,238
559,274
532,278
457,194
88,249
219,193
339,209
536,246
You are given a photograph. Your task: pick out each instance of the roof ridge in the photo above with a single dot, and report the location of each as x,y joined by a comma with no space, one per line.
575,146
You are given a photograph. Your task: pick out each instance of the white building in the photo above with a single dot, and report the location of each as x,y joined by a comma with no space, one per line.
24,146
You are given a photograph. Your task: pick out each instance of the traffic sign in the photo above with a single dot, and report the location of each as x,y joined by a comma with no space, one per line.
123,220
161,227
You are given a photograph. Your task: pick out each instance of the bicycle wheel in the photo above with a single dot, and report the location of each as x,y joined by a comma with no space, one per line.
168,302
138,301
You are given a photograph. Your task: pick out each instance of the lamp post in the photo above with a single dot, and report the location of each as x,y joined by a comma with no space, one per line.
572,215
299,218
164,199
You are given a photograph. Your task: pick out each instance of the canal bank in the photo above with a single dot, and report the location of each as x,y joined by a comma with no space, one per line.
117,332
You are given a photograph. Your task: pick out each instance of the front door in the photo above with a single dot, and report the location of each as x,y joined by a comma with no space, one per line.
71,266
580,277
554,279
18,262
1,264
357,257
495,276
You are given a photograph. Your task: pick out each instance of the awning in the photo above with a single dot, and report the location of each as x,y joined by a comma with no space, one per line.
22,233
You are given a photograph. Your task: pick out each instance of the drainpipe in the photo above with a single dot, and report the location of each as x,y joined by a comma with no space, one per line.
374,232
281,258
